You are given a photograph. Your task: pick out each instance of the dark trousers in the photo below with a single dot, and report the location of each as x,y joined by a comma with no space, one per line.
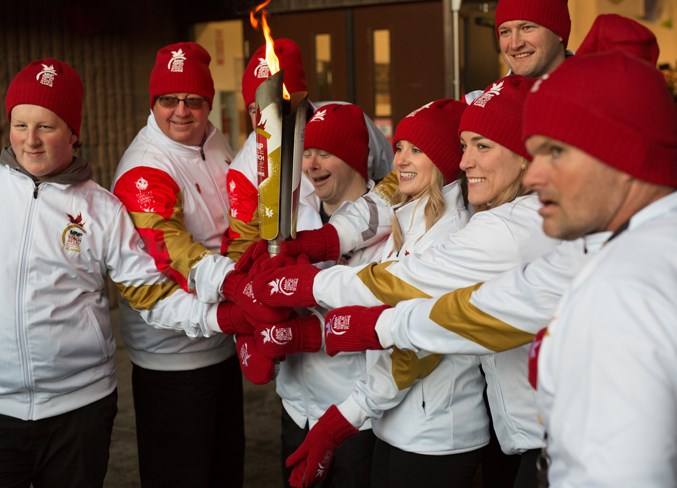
527,475
394,468
499,470
68,450
190,426
352,460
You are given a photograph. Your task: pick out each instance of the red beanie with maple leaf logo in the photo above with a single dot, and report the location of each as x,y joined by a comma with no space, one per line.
622,114
497,113
257,70
181,68
340,129
433,129
51,84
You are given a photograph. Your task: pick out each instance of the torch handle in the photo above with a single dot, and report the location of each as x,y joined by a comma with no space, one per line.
274,247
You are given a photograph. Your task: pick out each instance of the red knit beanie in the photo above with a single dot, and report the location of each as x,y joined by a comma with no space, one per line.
622,114
433,129
51,84
552,14
497,113
611,31
340,129
181,68
289,56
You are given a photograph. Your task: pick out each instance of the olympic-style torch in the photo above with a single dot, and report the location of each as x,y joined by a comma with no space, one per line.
280,128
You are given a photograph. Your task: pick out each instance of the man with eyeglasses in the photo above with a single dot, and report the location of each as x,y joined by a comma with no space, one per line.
172,179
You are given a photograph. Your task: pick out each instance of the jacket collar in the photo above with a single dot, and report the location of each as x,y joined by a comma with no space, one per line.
172,144
77,172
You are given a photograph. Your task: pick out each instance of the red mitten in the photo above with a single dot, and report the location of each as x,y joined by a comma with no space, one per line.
312,460
255,251
319,245
233,320
350,329
301,334
286,287
534,351
237,287
265,263
255,366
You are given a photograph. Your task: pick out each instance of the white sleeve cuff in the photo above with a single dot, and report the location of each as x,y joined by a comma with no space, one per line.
382,328
353,412
212,321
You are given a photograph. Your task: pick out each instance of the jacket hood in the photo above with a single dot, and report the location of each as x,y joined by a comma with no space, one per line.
77,172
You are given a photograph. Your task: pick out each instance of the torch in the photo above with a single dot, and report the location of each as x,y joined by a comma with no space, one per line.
280,128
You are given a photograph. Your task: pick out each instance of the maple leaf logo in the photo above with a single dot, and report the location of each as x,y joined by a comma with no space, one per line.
495,88
262,69
266,336
419,109
283,285
274,286
319,115
490,93
244,354
76,220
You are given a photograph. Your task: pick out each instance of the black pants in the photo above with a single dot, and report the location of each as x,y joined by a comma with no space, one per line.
67,450
190,426
352,460
527,476
502,471
499,470
395,468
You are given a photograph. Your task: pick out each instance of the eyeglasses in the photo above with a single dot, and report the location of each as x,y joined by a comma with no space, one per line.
194,103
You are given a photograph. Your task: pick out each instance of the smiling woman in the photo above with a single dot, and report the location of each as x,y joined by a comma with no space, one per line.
494,157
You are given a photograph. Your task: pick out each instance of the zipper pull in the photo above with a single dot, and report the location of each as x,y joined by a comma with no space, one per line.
35,192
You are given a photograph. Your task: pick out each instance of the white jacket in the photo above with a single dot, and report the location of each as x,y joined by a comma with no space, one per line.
60,240
607,378
176,195
493,242
427,404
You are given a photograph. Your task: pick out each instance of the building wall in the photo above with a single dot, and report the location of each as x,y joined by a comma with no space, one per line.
112,48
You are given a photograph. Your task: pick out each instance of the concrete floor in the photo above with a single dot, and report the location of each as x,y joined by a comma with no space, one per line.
262,432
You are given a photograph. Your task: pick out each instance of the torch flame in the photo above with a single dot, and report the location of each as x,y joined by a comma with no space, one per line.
271,57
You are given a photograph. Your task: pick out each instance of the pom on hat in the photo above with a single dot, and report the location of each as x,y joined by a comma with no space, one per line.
181,68
51,84
497,113
611,31
552,14
340,129
257,70
433,129
622,115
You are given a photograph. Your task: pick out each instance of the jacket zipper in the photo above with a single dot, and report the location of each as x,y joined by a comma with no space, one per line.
224,206
22,331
